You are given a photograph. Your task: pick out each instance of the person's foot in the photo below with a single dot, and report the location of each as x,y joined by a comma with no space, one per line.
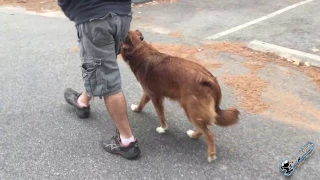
71,96
114,146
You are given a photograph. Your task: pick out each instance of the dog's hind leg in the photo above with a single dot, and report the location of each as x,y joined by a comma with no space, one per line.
144,100
193,134
211,143
158,105
202,128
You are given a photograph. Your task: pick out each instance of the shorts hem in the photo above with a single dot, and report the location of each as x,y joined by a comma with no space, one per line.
112,92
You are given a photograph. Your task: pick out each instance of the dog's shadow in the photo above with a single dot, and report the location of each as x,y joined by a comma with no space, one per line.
173,144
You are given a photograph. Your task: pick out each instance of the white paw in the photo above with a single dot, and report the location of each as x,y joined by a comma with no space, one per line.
161,130
190,133
134,107
211,159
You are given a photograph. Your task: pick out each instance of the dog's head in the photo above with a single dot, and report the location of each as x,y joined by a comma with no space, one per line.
133,39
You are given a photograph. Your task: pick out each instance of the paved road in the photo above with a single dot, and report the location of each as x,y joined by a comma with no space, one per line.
196,20
41,138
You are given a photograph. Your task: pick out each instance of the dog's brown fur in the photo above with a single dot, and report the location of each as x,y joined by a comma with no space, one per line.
187,82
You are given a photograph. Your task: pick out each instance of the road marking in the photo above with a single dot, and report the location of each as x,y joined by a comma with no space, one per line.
237,28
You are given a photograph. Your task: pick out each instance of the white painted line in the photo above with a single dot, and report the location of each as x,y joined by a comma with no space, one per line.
237,28
289,54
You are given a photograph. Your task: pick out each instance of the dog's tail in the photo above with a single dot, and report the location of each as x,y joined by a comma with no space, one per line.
220,117
227,117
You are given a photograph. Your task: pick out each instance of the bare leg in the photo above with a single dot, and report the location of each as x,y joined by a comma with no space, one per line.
144,100
116,105
158,105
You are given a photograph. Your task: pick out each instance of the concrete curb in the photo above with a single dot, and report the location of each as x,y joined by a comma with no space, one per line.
290,54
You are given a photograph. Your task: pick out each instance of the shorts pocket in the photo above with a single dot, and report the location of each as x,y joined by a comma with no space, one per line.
91,73
101,38
102,30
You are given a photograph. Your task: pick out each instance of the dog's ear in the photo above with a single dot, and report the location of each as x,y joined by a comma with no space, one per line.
139,34
135,38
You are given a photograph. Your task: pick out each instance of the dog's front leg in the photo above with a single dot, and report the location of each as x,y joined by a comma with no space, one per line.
144,100
158,105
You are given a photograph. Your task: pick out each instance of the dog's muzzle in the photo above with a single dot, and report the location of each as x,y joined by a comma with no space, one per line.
141,38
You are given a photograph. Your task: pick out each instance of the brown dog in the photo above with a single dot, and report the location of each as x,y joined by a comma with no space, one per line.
187,82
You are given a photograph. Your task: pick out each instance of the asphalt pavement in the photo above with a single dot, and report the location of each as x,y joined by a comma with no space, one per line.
41,137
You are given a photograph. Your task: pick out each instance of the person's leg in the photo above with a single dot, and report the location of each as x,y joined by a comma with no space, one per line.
124,144
72,98
117,107
84,100
81,100
99,46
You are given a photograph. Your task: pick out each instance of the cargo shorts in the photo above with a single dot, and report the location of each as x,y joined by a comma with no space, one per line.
99,44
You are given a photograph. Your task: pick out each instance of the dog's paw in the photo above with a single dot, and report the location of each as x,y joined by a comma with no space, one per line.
134,107
161,130
211,159
190,133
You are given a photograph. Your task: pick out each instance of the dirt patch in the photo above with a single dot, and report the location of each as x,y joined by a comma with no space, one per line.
175,34
249,89
180,50
259,59
33,5
165,1
291,109
255,95
189,52
312,72
254,66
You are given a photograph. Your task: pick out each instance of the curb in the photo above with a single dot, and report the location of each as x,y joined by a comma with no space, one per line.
290,54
